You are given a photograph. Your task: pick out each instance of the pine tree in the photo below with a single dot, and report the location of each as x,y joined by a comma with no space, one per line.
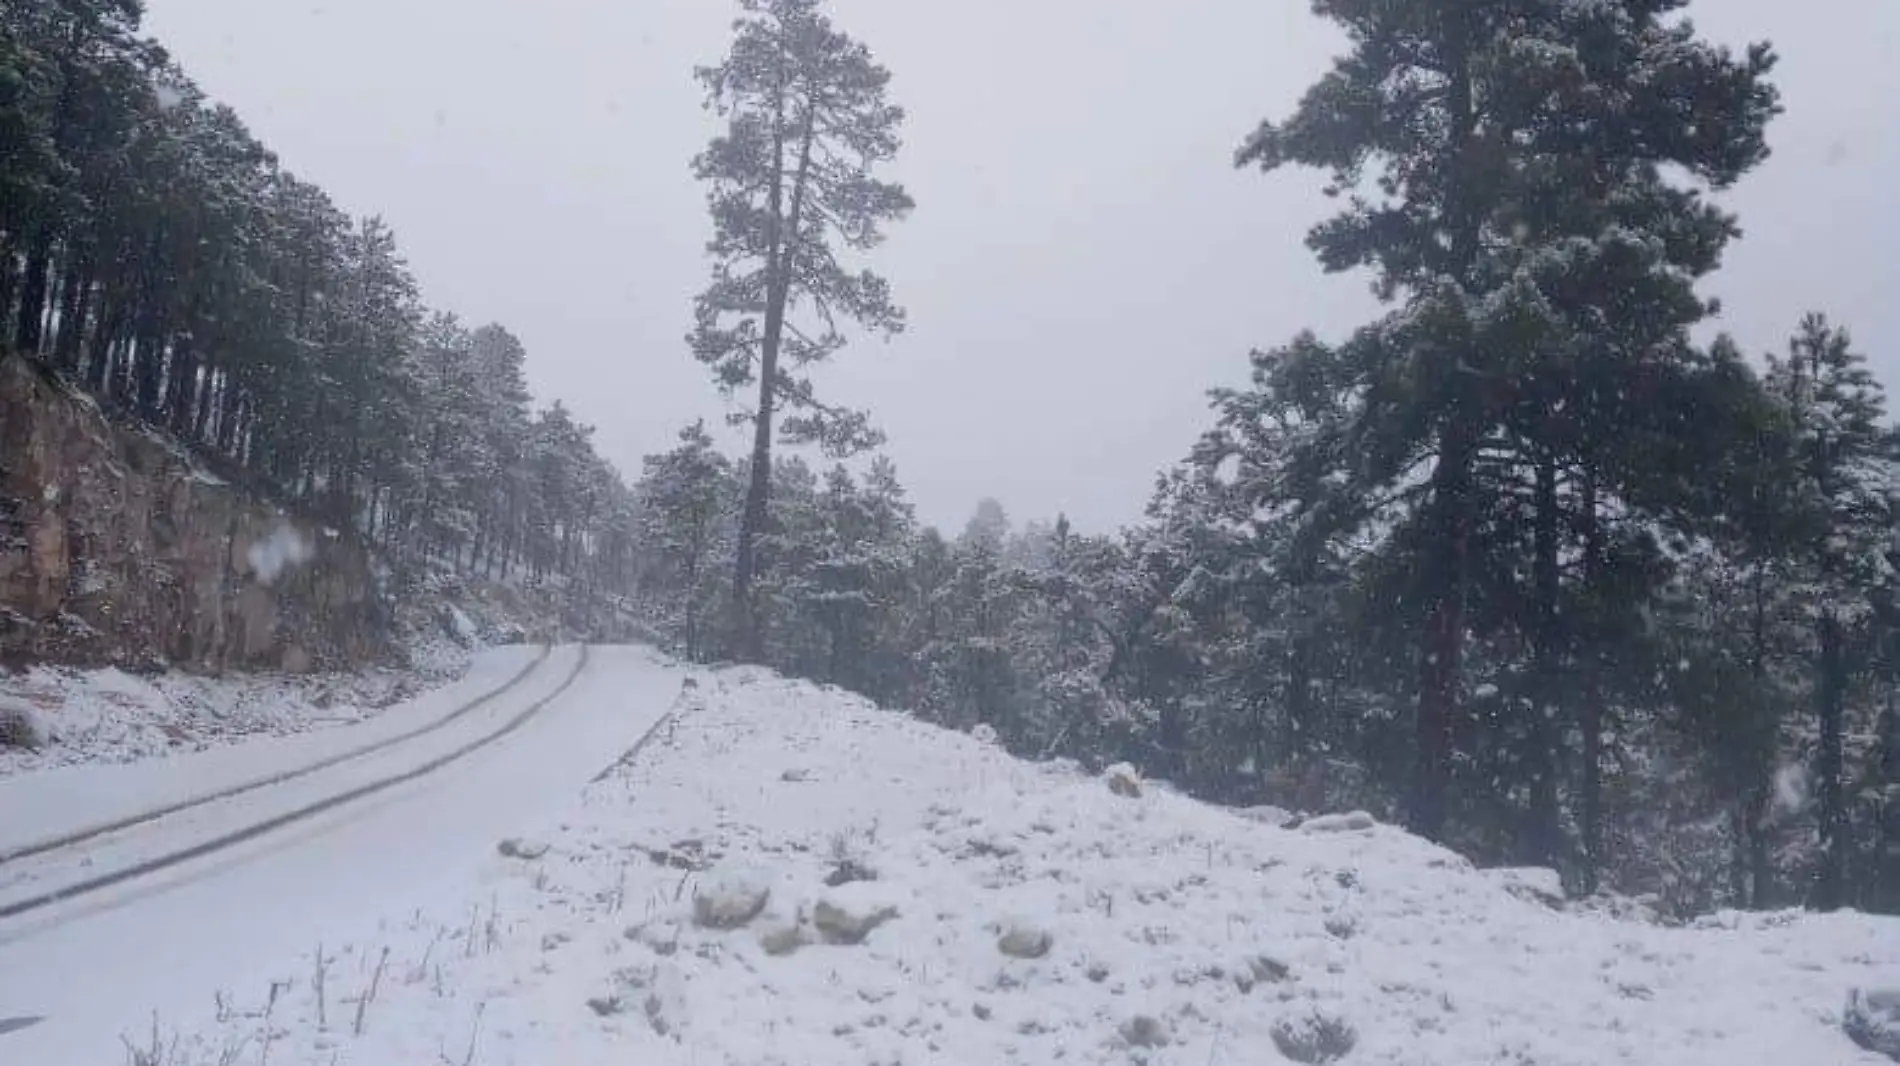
1499,160
687,499
1846,463
790,189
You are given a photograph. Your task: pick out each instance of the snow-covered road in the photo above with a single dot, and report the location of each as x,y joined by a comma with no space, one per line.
95,968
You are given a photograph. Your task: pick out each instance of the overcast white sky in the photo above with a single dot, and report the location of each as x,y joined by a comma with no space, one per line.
1084,261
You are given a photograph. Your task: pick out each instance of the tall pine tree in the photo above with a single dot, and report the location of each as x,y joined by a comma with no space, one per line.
1499,162
791,191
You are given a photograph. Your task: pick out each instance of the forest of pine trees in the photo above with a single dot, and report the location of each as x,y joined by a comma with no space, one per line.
153,253
1527,563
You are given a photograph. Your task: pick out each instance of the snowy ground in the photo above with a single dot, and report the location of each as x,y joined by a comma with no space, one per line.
1014,914
109,716
217,929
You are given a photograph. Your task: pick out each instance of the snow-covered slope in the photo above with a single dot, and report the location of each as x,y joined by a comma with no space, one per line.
1019,914
110,716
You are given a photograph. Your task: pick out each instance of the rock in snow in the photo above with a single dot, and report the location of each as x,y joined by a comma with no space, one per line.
730,898
517,848
848,914
21,727
1123,780
1872,1020
1023,939
780,938
1278,817
1352,822
1533,884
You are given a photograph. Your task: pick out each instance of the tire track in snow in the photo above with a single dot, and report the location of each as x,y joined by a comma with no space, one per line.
94,832
251,832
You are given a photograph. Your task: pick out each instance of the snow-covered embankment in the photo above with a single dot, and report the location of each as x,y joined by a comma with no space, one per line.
789,875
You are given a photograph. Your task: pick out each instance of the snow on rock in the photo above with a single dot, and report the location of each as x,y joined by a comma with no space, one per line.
1352,822
1163,931
517,848
1123,780
1535,884
731,897
1024,939
1277,817
1872,1020
780,936
847,914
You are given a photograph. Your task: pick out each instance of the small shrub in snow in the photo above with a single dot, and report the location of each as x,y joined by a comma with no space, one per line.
1123,780
1872,1020
849,871
1024,940
729,899
661,938
848,864
1145,1030
1351,822
659,992
1314,1039
21,727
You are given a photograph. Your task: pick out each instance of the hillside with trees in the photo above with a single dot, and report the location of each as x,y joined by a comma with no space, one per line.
1529,562
155,254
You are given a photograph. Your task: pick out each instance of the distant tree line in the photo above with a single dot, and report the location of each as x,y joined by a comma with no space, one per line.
1519,563
153,253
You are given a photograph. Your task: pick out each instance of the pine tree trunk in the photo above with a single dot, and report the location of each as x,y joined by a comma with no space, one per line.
1442,666
1299,699
28,330
228,420
1590,720
99,360
207,403
74,291
1831,693
1545,838
1761,867
1760,795
1442,663
182,384
749,631
1886,871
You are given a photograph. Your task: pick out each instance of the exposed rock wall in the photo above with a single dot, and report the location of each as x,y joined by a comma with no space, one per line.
116,547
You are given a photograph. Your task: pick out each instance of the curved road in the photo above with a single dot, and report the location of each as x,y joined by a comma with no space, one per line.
419,823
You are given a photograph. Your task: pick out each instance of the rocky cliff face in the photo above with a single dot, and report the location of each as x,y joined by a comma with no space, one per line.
116,547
